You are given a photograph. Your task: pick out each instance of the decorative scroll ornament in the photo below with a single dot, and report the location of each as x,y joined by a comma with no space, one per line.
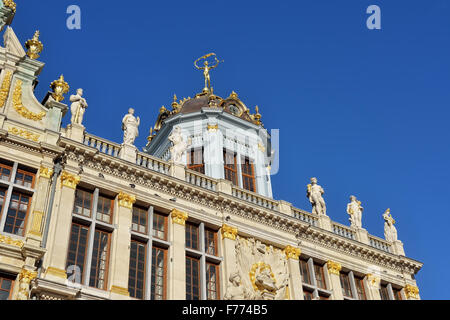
229,232
179,217
24,134
126,200
334,267
292,252
373,280
45,172
411,292
69,180
59,87
4,90
10,241
18,106
262,269
25,278
34,46
10,4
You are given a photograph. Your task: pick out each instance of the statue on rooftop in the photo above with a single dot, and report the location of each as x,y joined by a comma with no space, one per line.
355,210
130,127
315,196
179,146
207,68
78,107
390,231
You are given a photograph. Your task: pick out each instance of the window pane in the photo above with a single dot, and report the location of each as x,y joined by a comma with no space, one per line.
320,277
345,284
6,285
192,236
100,257
248,175
360,289
140,220
230,169
77,249
104,209
212,281
136,278
304,270
195,160
158,274
159,226
211,242
192,279
83,203
17,214
384,293
5,172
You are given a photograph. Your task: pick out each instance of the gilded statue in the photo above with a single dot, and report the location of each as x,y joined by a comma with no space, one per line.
207,68
315,196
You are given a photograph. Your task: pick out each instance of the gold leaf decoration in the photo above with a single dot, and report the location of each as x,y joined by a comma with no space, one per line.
24,134
20,108
4,90
10,4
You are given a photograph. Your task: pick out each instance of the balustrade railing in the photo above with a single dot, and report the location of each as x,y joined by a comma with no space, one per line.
343,231
102,145
379,244
306,217
254,198
201,180
152,163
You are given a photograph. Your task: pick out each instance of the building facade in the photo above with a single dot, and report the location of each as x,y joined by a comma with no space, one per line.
191,217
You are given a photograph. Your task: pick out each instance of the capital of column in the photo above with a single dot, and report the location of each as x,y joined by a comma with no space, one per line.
373,280
411,292
126,200
45,172
292,252
27,275
229,232
334,267
69,180
179,217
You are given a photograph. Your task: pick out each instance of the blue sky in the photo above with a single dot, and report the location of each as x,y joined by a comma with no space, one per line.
366,111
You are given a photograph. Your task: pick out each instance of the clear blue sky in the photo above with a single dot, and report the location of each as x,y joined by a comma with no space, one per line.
365,111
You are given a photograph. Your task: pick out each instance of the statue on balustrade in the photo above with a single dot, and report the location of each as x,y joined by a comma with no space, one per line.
78,107
315,195
179,146
390,231
130,127
355,210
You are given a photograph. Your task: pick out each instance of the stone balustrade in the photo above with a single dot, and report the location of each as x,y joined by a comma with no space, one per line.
201,180
306,217
343,231
254,198
102,145
152,163
380,244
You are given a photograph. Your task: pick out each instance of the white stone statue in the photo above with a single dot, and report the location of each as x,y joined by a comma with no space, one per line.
78,107
314,193
355,210
390,231
130,127
179,146
236,291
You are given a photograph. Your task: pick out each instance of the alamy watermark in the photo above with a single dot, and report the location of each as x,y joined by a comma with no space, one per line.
374,21
74,20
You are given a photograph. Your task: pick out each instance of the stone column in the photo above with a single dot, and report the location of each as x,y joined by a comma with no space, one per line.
229,235
411,292
178,270
56,263
35,229
295,277
24,278
372,283
120,257
334,269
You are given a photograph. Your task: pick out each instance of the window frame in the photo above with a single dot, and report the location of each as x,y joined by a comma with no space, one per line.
234,171
83,273
25,221
25,173
245,176
195,167
108,250
165,253
138,242
8,278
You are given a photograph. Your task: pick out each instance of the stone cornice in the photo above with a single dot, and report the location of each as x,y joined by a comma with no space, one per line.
92,158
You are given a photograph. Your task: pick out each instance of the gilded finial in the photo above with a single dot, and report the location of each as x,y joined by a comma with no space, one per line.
10,4
233,95
162,110
34,46
257,116
207,68
175,104
59,87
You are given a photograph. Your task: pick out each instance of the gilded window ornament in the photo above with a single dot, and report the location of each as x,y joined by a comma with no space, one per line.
34,46
10,4
126,200
4,90
334,267
179,217
45,172
229,232
18,106
69,180
411,292
24,134
10,241
292,252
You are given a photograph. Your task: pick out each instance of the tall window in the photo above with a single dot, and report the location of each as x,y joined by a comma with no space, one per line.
397,294
361,291
230,166
384,292
90,238
248,175
16,192
314,282
6,285
388,292
195,160
149,246
345,285
136,279
202,254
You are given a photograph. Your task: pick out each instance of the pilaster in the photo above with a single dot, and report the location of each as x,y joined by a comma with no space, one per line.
229,235
120,257
56,263
372,282
295,277
334,269
178,270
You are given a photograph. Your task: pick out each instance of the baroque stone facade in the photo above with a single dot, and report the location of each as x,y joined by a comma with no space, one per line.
94,219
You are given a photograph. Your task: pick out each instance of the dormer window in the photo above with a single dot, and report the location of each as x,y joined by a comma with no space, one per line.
248,175
230,166
196,160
